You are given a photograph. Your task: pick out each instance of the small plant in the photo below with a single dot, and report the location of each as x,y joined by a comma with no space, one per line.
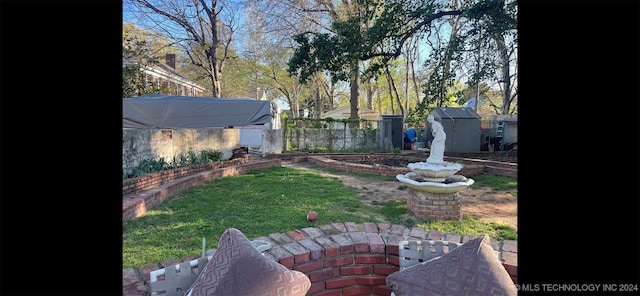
209,156
148,166
192,159
152,165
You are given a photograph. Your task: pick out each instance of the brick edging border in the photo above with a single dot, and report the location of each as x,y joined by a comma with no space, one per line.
359,254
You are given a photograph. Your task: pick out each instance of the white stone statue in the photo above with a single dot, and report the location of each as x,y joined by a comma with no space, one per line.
436,152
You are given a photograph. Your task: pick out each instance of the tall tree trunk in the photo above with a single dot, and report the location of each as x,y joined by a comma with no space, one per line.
369,88
406,79
393,111
211,55
506,75
416,88
392,87
330,92
355,77
318,102
447,62
379,100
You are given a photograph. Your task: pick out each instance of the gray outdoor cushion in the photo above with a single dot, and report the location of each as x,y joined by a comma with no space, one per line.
471,269
237,268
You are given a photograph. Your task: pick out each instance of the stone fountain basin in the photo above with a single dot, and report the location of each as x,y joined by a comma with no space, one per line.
435,172
434,187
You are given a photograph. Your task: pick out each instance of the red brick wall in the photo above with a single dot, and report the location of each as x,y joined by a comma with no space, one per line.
136,204
471,167
146,182
341,259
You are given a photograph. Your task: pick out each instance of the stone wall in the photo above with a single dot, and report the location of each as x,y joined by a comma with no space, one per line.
333,139
273,141
139,144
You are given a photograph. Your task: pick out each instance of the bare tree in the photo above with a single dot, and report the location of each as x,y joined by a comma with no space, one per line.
508,88
321,14
202,29
494,50
270,25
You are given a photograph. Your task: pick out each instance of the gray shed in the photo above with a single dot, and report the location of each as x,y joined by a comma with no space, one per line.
462,126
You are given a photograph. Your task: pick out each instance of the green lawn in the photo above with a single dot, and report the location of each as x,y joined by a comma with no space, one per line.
258,203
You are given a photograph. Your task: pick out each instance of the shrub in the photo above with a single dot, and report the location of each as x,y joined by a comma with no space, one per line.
149,166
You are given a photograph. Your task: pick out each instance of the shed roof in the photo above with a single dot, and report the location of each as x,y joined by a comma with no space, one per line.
455,113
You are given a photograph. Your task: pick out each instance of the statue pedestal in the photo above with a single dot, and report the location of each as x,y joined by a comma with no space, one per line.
434,206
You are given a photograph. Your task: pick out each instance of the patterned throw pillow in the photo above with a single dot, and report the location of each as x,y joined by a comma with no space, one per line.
471,269
237,268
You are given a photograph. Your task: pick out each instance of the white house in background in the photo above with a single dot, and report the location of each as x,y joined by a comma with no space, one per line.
167,75
345,112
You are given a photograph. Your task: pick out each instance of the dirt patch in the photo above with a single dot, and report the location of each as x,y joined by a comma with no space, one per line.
482,202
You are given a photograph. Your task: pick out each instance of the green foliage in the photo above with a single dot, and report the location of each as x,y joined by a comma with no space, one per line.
500,17
210,155
154,165
138,54
417,117
148,166
133,76
389,25
337,52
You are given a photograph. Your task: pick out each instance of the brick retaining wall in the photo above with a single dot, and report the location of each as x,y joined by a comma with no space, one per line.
138,184
382,170
472,167
135,205
339,259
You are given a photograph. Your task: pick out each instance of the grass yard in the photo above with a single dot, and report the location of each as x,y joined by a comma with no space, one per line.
258,203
